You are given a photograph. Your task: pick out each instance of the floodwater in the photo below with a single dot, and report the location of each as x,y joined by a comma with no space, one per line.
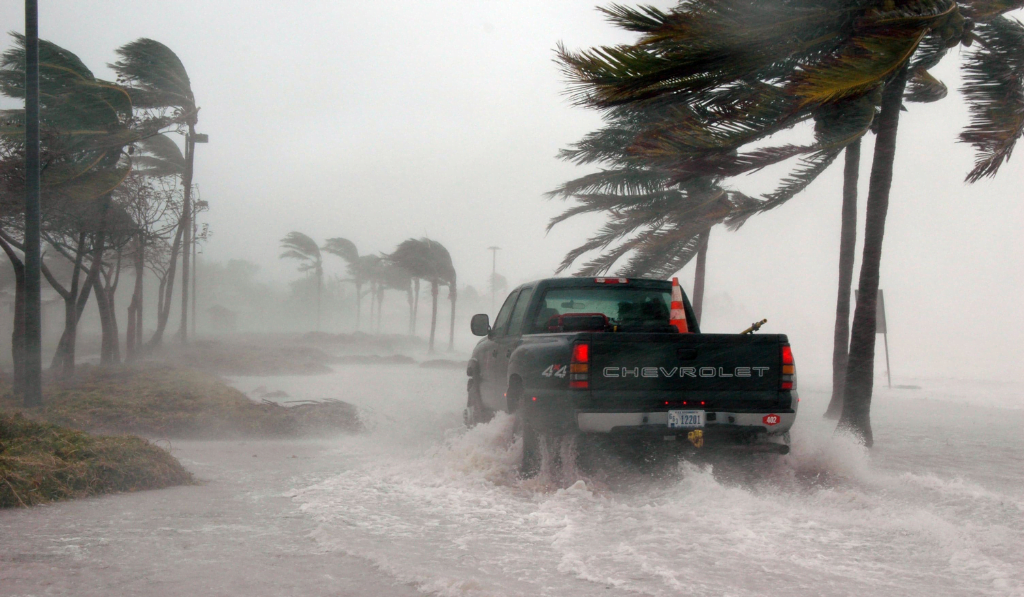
418,504
936,508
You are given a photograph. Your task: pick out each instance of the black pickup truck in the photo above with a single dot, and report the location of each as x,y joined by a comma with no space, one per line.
600,355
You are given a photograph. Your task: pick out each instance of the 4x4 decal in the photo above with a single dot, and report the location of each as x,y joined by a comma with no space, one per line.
556,371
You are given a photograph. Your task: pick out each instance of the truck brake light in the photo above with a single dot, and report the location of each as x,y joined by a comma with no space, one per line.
612,280
788,377
579,366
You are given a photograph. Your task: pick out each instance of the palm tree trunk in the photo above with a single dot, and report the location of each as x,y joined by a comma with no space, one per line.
186,226
359,304
380,306
452,296
408,295
847,254
319,291
167,290
373,304
860,368
415,305
433,314
698,276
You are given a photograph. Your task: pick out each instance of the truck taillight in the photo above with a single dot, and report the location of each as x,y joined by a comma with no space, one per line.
579,366
788,377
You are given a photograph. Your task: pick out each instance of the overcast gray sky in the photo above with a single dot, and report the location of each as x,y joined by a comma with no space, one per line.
383,121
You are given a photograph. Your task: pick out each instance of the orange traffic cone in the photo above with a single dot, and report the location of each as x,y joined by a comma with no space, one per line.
678,317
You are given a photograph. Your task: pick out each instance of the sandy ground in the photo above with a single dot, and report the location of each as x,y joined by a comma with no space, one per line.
237,534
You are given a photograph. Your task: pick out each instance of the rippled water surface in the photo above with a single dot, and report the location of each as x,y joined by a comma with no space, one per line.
936,508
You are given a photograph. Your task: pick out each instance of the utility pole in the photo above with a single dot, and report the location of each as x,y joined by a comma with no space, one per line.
33,328
494,271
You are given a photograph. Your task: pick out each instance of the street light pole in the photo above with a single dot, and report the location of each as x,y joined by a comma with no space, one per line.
494,271
32,312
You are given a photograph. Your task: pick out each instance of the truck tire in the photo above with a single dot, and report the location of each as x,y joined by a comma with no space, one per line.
530,462
475,413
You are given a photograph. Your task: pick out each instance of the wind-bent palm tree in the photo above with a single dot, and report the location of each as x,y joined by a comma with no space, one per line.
427,259
698,56
357,267
86,124
390,276
158,80
158,157
303,248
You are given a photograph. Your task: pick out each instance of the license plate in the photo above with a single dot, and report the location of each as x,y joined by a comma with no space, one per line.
685,419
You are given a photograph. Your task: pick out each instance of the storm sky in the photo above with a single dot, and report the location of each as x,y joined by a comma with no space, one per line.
384,121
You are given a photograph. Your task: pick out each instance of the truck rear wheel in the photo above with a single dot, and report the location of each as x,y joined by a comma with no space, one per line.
530,463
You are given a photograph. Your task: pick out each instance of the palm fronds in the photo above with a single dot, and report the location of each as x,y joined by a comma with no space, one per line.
994,90
299,246
159,156
342,247
156,77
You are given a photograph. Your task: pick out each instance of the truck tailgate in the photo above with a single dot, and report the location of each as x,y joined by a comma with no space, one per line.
708,370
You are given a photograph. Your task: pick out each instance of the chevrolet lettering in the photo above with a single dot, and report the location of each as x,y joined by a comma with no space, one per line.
684,372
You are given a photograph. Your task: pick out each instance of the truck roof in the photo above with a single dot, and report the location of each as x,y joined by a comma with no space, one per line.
598,281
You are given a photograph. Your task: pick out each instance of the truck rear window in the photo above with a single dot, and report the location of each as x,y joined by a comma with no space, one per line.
626,309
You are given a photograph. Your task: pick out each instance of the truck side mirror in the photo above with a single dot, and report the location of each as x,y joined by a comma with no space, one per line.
480,324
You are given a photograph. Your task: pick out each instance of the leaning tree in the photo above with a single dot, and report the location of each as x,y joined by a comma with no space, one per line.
157,81
428,260
813,58
85,123
304,249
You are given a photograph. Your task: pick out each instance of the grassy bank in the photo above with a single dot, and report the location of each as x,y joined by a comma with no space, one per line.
158,400
40,462
247,355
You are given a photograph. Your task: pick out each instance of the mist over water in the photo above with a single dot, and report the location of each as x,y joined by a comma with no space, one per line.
937,508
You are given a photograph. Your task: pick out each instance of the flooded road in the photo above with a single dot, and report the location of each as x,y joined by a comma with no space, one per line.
937,508
419,505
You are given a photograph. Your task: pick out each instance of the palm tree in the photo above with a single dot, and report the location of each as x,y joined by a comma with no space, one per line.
86,123
390,276
303,248
158,80
427,259
994,81
358,273
158,157
698,56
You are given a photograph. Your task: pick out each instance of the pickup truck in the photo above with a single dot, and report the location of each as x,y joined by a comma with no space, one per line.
601,356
